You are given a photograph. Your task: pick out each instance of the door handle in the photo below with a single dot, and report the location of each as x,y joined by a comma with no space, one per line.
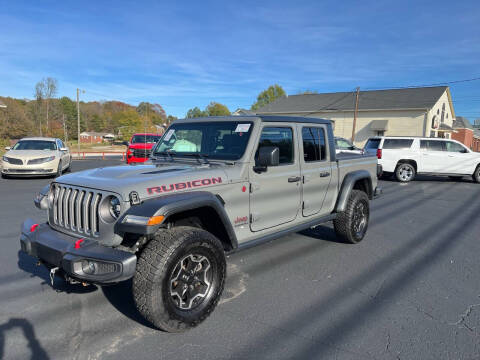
294,179
324,174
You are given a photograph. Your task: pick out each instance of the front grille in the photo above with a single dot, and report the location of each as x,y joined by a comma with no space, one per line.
141,153
76,209
14,161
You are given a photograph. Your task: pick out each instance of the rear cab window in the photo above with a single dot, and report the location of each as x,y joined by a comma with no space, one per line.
372,144
397,144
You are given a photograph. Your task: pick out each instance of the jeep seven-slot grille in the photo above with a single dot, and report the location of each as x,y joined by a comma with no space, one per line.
76,209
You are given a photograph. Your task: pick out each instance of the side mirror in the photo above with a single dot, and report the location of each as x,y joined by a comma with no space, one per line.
7,148
64,149
464,151
267,156
126,143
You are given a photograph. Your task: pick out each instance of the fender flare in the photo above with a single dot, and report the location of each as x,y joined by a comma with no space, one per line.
169,205
347,186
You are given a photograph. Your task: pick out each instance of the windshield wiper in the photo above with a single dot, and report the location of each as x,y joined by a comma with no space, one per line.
169,153
199,156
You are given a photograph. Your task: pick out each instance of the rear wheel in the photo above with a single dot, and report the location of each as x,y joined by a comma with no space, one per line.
476,174
179,278
352,223
405,172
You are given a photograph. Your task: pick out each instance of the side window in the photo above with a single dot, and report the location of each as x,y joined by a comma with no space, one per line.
279,137
313,144
432,145
454,147
397,143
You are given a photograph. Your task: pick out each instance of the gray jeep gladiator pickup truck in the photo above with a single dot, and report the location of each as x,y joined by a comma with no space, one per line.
212,186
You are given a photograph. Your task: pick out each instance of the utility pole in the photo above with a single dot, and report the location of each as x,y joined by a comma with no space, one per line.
355,114
78,118
64,129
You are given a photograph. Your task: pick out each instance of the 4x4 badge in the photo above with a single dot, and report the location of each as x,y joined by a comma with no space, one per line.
134,198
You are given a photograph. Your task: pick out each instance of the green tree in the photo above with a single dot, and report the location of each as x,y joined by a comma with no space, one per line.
170,119
269,95
216,109
195,112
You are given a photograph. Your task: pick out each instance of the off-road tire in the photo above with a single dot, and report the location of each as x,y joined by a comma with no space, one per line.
402,170
344,222
476,175
155,267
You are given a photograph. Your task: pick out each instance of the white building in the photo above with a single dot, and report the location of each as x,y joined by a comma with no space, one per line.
426,111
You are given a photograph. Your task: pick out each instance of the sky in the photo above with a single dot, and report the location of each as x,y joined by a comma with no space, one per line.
182,54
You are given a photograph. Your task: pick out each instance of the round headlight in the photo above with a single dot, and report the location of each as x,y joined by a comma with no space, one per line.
115,207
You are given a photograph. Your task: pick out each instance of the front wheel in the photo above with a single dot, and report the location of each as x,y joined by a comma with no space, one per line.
405,172
476,174
351,224
59,169
179,278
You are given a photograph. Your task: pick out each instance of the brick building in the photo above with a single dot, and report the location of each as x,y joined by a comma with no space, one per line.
463,131
95,137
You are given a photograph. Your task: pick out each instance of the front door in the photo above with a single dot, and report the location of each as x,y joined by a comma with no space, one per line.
316,168
275,193
458,159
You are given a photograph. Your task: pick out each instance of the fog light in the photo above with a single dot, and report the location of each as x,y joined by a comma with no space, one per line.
88,267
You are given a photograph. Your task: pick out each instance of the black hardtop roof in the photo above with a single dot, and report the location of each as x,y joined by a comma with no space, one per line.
264,118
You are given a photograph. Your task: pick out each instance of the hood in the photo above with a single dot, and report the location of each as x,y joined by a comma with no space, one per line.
147,146
30,154
148,180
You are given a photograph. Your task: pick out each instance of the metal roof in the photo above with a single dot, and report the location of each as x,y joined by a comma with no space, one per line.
393,99
462,123
264,118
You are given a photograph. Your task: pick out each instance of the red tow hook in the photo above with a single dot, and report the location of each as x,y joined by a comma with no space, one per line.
77,243
33,227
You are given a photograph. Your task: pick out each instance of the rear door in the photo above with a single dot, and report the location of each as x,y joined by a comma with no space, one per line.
275,193
433,156
316,168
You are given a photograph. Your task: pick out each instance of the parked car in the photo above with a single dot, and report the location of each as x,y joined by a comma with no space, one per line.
407,156
140,146
346,146
36,156
168,224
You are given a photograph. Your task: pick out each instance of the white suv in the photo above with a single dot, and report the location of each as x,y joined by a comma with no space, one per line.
408,156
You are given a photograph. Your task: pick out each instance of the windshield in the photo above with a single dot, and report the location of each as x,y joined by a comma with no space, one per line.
145,139
35,145
343,143
215,140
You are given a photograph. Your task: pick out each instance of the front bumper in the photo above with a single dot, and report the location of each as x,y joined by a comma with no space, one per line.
29,170
133,159
104,265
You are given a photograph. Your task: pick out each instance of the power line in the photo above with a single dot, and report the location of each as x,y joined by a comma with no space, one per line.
428,85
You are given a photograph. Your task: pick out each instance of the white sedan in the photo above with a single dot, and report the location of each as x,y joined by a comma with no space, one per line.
36,156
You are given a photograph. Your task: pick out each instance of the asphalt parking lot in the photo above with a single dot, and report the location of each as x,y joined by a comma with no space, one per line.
410,290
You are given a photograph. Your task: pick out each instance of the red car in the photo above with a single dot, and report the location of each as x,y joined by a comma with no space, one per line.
140,146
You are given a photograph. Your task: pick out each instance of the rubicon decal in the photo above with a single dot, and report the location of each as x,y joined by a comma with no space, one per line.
184,185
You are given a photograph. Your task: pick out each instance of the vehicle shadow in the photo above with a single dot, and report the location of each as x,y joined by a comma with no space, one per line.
28,264
37,352
420,178
120,296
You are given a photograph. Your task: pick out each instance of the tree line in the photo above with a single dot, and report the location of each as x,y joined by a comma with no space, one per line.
47,115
